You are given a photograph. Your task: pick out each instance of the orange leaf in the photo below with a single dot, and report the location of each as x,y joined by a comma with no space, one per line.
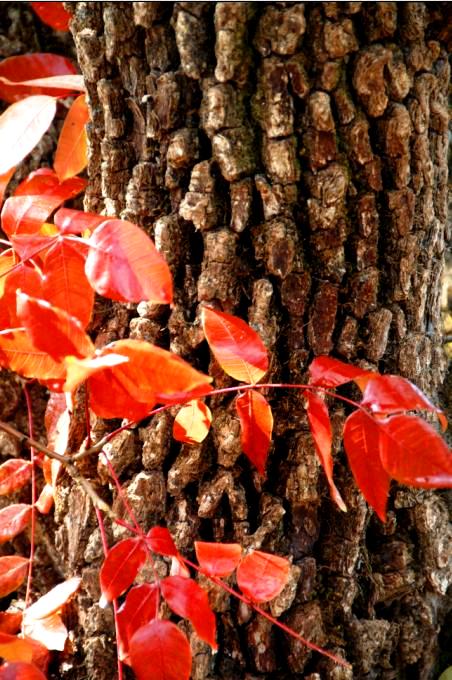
24,278
415,454
330,372
123,264
51,329
4,181
120,567
256,422
53,14
45,501
13,648
25,67
261,576
21,127
10,622
187,599
71,153
45,182
237,347
192,422
160,651
20,670
53,601
140,606
13,519
364,440
218,559
13,570
320,426
19,354
14,474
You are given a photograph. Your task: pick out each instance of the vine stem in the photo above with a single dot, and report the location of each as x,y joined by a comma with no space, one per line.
33,497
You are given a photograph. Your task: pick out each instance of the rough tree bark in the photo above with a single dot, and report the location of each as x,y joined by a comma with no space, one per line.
290,161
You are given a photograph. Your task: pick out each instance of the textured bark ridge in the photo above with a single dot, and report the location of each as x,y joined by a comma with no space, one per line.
290,161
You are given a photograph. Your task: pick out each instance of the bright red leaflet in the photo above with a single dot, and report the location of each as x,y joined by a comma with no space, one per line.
4,181
237,347
26,67
21,127
140,607
120,567
52,330
20,670
13,570
24,278
13,519
329,372
256,422
13,648
20,355
71,155
392,394
187,599
76,221
14,474
10,622
364,440
109,398
161,542
53,14
320,426
415,454
192,423
261,576
160,651
45,182
123,264
218,559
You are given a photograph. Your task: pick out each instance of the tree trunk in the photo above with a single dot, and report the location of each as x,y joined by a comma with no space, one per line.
290,162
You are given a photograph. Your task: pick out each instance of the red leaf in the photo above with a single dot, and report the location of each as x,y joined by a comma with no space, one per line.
120,567
364,440
45,182
320,426
261,576
76,221
13,648
10,622
24,278
65,283
108,398
187,599
26,67
19,355
4,181
160,651
14,474
53,601
21,127
20,670
140,606
13,520
13,570
56,422
237,347
329,372
123,264
256,422
161,542
415,454
26,215
192,422
218,559
71,153
53,14
391,393
45,500
52,330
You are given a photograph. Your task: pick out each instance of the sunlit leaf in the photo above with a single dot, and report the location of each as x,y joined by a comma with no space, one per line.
20,670
71,153
261,576
53,601
320,426
53,14
13,648
120,567
26,214
123,264
415,454
52,330
13,570
192,422
329,372
45,182
364,441
25,278
49,630
13,520
392,394
256,423
26,67
71,221
4,181
19,354
14,474
218,559
161,542
140,607
21,127
187,599
160,651
237,347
